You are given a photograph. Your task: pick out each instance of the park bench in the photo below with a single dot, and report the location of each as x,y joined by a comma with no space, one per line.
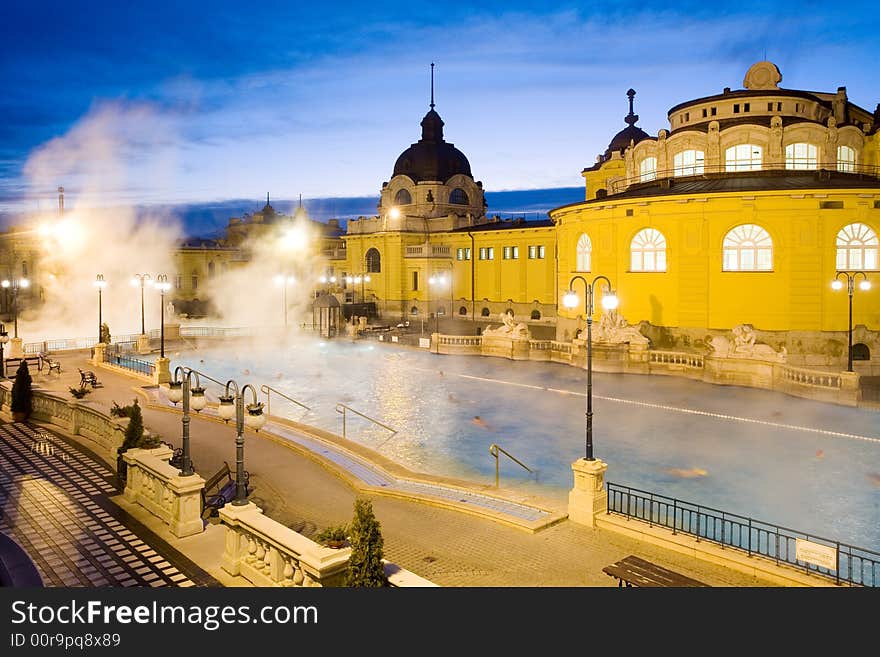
219,490
635,571
51,363
87,377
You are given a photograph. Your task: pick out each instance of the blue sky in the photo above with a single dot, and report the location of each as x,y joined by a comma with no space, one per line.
174,102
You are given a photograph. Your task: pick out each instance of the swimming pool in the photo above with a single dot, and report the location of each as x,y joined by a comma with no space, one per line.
805,465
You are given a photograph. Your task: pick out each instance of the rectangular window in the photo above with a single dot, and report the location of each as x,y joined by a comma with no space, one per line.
746,107
736,108
195,282
536,251
415,280
629,212
467,253
178,282
705,113
687,116
541,251
459,254
490,253
506,255
713,110
778,107
831,205
769,107
514,252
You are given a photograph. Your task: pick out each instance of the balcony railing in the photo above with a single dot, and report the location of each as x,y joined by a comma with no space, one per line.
429,251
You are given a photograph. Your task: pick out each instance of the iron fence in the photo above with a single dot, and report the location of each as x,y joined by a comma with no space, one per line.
855,566
128,362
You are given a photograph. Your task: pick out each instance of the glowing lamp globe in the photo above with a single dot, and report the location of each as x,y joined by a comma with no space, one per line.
197,399
226,407
255,418
175,391
865,285
610,301
836,285
570,300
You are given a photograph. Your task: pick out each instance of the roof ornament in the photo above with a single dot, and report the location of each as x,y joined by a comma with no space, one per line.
763,75
432,85
631,118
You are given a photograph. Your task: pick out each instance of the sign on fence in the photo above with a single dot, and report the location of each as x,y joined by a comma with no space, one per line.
816,553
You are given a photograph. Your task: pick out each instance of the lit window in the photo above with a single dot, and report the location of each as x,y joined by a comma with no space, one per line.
648,251
648,169
743,157
511,252
487,253
374,261
536,251
506,254
857,247
801,156
688,163
584,253
748,248
846,159
463,254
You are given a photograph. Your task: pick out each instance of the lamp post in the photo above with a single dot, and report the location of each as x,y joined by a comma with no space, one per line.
609,302
4,338
232,405
15,284
438,281
837,284
358,278
140,279
180,389
100,283
283,280
162,285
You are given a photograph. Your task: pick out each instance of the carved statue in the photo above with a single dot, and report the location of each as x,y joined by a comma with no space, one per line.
744,345
614,329
509,328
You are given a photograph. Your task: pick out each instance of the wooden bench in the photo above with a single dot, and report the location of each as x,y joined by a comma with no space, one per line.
52,364
635,571
219,490
87,377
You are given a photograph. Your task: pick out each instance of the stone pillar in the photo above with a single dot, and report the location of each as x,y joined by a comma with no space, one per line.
16,348
234,552
143,344
98,356
172,331
162,373
588,497
850,388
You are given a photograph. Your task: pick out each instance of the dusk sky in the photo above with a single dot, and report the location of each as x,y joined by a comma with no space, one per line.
185,102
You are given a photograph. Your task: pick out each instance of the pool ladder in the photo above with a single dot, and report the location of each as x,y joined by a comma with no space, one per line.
496,451
269,389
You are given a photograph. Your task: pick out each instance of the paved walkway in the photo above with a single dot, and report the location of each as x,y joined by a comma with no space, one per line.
305,490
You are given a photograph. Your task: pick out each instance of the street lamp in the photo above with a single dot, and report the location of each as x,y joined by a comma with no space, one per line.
100,283
180,389
162,285
358,278
609,302
15,284
283,280
4,338
140,279
232,405
438,281
837,284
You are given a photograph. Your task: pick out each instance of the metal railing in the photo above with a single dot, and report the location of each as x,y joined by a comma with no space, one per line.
129,363
269,389
855,566
496,451
342,408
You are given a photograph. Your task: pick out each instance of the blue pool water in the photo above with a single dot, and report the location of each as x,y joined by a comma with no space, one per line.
804,465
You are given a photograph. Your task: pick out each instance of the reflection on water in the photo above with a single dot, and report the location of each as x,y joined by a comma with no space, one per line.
804,465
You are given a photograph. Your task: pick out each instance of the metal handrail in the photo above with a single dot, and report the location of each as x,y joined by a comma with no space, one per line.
494,451
267,389
344,408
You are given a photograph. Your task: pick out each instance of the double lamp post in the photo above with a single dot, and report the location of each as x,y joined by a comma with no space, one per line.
837,284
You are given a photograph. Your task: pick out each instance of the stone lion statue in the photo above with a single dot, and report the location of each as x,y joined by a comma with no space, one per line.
614,329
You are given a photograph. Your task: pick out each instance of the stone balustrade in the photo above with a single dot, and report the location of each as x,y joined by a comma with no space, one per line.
159,487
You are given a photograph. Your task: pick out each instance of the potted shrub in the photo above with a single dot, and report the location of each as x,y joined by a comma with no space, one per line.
365,567
79,393
334,536
22,394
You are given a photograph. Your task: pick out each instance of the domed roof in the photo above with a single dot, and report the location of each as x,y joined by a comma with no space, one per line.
431,158
630,134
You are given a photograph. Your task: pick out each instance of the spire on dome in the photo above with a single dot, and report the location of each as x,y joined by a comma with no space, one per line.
631,118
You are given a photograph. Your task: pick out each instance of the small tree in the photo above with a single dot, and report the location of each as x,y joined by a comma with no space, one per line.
22,392
134,432
365,568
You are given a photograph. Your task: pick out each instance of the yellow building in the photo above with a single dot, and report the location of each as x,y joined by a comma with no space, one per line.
432,251
742,212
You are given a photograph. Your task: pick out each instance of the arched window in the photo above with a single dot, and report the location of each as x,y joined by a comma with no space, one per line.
846,159
536,314
860,351
743,157
584,253
484,312
801,156
857,247
688,163
374,261
748,248
414,310
648,169
458,197
648,251
402,198
462,311
441,311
